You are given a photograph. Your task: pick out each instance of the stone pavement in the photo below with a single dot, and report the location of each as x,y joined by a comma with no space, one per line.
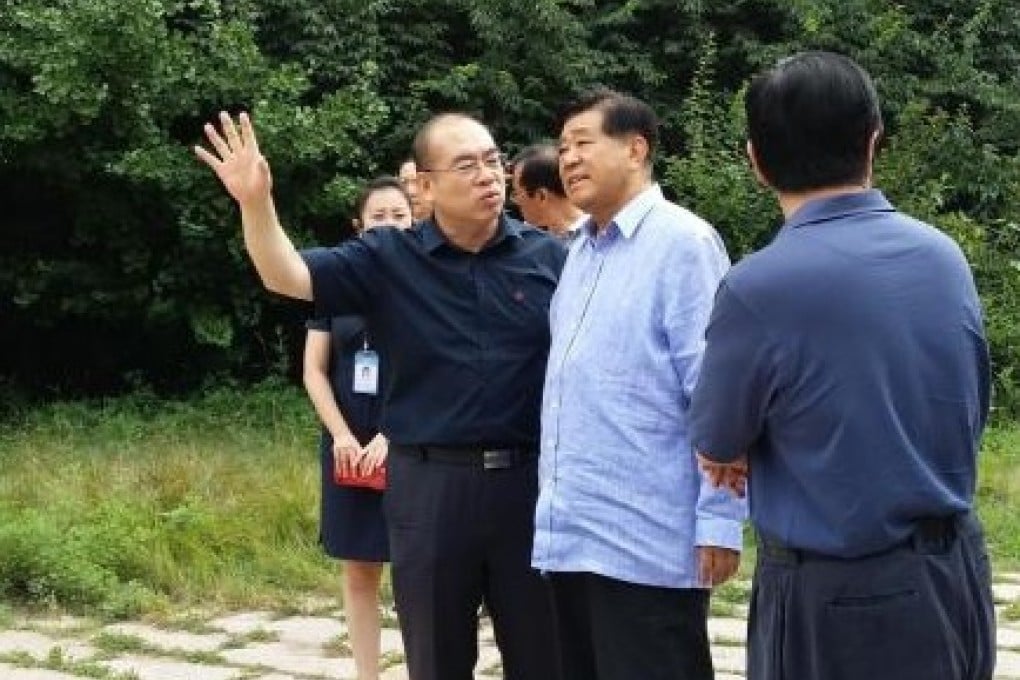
312,645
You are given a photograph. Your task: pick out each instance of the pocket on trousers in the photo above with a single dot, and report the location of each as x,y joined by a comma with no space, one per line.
887,634
876,600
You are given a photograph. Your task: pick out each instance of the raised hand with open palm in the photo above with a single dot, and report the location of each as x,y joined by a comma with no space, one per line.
238,163
245,174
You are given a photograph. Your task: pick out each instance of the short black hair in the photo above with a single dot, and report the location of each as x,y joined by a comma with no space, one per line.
622,114
422,147
540,169
811,119
373,185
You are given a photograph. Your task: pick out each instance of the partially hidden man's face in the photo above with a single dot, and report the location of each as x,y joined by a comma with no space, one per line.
386,208
532,206
408,175
595,168
465,179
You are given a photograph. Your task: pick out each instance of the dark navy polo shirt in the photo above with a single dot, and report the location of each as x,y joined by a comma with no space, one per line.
465,335
849,361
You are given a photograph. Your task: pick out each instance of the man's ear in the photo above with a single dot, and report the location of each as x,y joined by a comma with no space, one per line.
755,167
876,137
639,150
424,180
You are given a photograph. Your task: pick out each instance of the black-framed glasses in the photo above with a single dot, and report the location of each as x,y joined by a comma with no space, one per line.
468,168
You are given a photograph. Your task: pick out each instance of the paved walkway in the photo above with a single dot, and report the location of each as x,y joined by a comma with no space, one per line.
312,645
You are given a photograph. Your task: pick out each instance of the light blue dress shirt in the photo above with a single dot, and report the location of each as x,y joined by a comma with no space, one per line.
620,491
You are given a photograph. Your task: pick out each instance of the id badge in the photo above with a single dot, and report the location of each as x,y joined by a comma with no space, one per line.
366,372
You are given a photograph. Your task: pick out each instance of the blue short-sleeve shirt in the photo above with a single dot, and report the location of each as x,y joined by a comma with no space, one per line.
848,360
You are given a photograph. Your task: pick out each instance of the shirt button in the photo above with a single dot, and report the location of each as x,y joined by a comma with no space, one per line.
555,405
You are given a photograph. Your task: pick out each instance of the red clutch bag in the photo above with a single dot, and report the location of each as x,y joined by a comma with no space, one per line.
375,481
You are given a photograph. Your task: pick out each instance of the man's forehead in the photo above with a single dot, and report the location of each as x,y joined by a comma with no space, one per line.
585,123
460,136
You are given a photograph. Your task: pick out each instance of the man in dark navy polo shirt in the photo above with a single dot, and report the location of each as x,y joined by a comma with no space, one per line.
846,372
458,306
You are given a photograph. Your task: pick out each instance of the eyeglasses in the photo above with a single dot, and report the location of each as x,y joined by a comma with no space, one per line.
468,168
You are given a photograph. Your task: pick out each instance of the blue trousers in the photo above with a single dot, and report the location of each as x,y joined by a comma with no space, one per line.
919,611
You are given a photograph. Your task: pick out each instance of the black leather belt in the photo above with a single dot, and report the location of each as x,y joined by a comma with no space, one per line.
487,458
931,535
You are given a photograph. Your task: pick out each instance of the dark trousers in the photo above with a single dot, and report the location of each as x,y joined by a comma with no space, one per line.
461,534
612,630
921,611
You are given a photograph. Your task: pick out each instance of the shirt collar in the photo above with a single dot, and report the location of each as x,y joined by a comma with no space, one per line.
835,207
630,216
433,237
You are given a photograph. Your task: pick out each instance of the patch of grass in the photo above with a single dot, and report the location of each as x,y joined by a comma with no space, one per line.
120,508
721,608
118,643
258,635
112,644
208,658
56,661
189,621
338,646
6,616
22,659
388,617
998,496
733,592
1012,612
390,658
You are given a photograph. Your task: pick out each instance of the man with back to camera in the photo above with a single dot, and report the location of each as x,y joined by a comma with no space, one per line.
459,307
538,192
630,535
846,373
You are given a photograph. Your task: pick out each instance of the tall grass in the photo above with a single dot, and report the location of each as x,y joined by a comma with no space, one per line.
128,505
138,505
998,495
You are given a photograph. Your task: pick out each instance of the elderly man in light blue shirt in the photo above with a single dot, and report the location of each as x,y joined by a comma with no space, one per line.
630,534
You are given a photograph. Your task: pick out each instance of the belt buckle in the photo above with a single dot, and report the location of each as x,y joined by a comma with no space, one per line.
496,459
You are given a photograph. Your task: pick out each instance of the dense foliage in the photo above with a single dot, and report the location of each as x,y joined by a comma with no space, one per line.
120,258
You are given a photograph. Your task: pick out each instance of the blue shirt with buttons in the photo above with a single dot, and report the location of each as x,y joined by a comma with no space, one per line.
848,360
465,335
620,492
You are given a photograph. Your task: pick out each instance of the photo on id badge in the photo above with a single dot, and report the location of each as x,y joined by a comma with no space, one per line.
366,372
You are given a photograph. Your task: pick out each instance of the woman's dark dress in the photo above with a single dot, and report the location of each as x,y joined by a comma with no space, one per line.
352,526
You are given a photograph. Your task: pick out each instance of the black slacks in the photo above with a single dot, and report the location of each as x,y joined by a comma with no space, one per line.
461,535
921,611
612,630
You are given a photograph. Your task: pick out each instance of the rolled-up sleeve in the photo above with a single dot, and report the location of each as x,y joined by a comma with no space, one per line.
719,518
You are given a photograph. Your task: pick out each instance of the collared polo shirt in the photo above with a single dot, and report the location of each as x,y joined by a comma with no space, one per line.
849,361
465,335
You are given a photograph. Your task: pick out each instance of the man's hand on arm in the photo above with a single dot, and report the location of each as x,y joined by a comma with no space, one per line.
245,175
732,476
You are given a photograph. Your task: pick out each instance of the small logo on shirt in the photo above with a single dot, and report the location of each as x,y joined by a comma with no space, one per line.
519,295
